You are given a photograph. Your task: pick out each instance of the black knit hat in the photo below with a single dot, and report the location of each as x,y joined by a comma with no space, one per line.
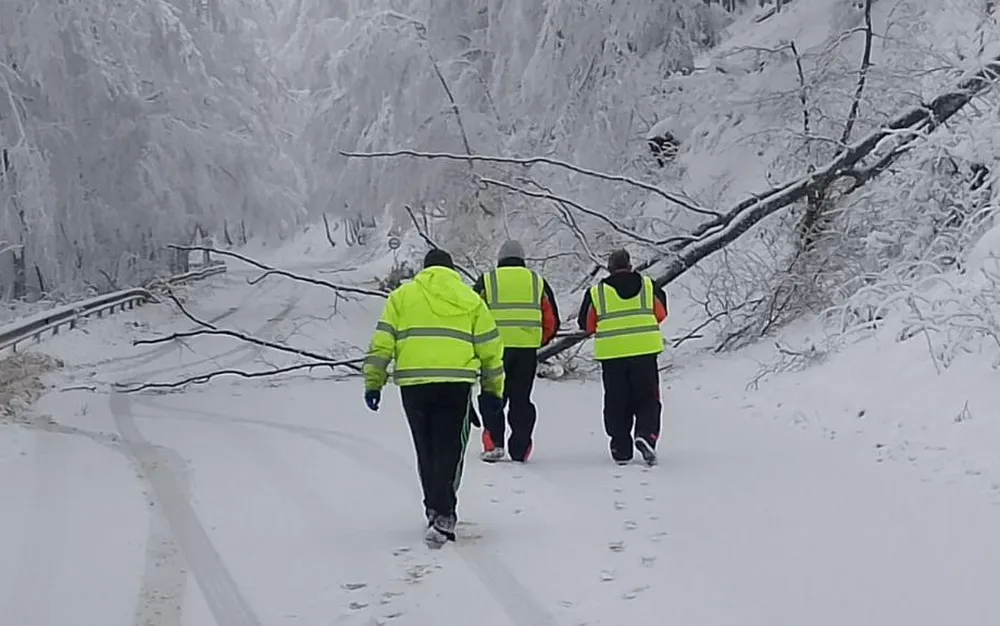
619,260
438,258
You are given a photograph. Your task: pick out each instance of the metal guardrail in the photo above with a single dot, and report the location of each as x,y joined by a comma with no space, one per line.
52,320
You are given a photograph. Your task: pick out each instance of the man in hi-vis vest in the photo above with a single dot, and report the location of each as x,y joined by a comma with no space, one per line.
443,340
624,312
524,308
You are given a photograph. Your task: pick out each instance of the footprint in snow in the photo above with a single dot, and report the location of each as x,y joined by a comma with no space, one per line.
387,597
647,561
354,586
607,575
631,524
617,546
619,505
633,593
357,606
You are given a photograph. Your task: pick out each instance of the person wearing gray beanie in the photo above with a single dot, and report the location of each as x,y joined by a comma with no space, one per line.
527,316
624,312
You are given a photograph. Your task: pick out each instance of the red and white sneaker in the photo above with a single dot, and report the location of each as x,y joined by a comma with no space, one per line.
491,452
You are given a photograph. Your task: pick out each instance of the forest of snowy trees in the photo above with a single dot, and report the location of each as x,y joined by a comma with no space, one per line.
132,125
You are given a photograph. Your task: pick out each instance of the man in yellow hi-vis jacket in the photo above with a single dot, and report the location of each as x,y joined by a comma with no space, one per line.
524,307
443,340
624,312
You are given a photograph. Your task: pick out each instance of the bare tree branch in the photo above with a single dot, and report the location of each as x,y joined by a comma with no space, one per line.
201,379
211,329
527,162
866,62
454,106
280,272
579,207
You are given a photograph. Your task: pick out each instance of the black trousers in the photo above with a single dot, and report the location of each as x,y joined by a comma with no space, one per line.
438,414
631,402
520,366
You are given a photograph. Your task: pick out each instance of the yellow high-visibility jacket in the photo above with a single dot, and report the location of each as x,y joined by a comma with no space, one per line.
514,297
625,328
437,329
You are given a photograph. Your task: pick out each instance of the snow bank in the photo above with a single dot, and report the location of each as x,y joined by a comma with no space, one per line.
21,382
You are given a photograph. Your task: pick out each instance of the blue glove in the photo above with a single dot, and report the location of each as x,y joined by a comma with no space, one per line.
489,404
372,398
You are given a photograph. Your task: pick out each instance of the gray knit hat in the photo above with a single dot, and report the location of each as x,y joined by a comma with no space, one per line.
619,260
511,249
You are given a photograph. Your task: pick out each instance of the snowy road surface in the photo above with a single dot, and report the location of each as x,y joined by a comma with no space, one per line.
245,503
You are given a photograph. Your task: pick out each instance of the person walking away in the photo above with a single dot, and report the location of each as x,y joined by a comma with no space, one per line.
525,310
624,312
442,338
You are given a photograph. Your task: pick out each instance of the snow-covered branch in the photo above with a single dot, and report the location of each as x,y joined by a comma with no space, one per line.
529,161
275,271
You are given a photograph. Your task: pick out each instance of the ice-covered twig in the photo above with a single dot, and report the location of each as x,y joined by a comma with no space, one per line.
529,161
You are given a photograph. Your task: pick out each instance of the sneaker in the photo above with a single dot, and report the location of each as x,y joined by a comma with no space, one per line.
434,538
646,450
445,524
492,456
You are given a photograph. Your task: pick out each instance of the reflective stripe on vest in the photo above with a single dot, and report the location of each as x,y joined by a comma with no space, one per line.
429,354
514,297
625,327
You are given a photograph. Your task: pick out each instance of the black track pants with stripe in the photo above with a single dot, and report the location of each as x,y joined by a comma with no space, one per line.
631,402
438,414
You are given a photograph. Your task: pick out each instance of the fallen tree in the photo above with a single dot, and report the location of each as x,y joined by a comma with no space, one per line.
858,164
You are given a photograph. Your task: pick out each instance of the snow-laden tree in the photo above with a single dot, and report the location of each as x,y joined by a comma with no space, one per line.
129,125
559,77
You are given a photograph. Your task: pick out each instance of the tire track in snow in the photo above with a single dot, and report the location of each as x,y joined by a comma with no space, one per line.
164,580
516,600
221,593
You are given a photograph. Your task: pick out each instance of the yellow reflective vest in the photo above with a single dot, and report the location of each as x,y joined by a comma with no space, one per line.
625,327
437,329
514,297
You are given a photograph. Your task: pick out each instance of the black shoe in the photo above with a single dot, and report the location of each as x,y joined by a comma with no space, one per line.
646,450
430,514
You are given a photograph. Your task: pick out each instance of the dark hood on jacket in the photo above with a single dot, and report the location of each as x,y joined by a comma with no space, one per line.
626,283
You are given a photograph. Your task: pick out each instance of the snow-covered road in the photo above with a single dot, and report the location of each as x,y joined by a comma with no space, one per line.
240,503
